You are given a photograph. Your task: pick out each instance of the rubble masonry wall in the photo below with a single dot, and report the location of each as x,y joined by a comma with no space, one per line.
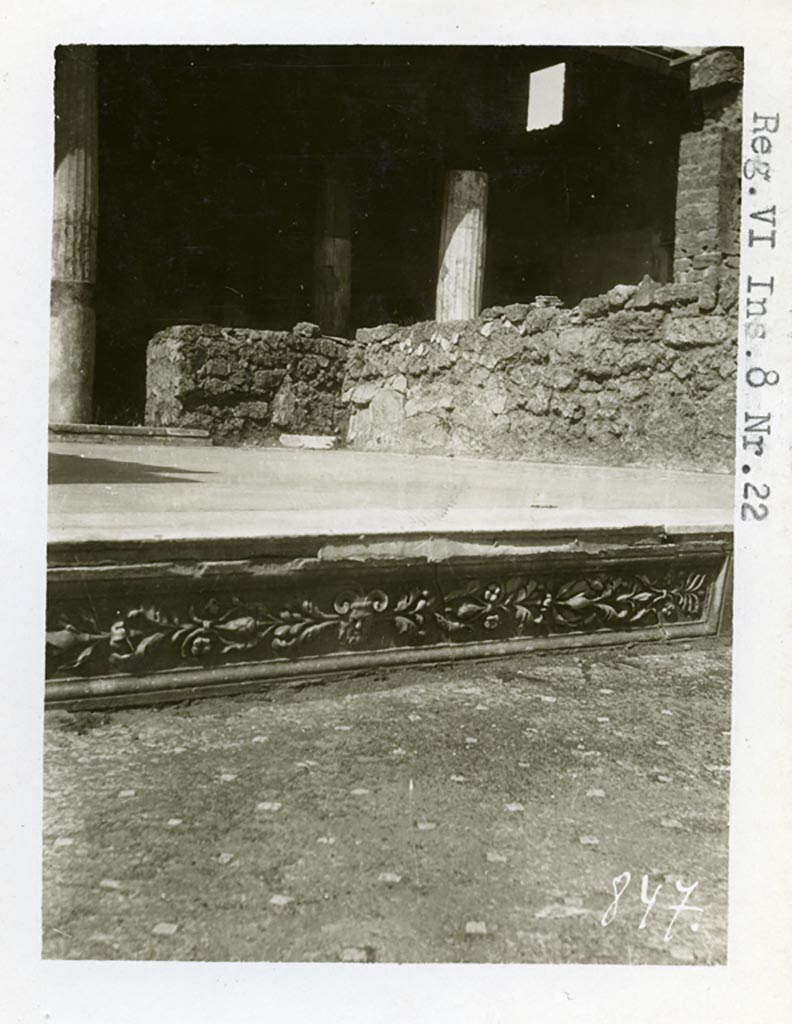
641,375
244,385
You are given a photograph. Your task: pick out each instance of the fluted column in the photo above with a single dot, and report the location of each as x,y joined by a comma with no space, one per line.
463,241
332,287
72,316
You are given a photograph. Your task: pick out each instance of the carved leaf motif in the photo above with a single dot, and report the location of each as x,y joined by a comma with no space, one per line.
468,610
287,636
407,627
244,625
449,625
524,615
577,601
149,643
67,638
144,649
515,586
87,654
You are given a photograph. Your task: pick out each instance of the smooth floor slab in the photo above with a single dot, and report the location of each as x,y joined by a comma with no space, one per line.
153,492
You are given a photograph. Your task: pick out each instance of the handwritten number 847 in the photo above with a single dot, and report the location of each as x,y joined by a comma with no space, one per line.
622,881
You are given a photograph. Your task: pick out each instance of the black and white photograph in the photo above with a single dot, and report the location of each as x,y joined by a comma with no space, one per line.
409,402
388,588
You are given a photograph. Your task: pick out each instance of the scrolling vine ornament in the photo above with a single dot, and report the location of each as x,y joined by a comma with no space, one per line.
594,602
222,630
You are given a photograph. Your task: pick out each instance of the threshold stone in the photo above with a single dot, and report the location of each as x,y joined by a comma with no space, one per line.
317,441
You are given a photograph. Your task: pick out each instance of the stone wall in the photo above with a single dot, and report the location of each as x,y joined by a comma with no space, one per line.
641,375
245,386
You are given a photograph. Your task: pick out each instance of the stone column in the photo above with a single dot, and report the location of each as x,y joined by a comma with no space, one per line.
75,208
332,289
463,240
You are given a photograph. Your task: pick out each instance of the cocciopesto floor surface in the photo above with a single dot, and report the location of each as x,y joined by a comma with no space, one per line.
473,812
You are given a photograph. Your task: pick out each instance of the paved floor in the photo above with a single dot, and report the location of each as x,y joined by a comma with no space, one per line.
120,491
475,812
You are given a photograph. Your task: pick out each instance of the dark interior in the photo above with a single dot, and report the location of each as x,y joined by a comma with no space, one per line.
209,164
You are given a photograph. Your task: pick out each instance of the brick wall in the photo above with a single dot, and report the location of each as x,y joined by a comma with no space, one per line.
707,244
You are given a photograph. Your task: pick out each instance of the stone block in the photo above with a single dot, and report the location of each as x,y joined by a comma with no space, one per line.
708,290
417,404
677,294
537,347
538,401
253,410
562,377
601,360
363,393
644,297
310,441
539,319
387,415
681,368
632,390
573,341
478,375
495,400
359,428
306,330
524,376
266,357
704,260
594,307
619,295
218,368
217,386
516,311
642,356
366,335
630,326
425,432
694,332
716,68
567,407
266,381
729,291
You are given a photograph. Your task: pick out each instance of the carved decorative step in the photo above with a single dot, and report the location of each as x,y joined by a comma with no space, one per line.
174,624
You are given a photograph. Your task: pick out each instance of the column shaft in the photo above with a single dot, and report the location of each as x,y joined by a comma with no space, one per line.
332,290
75,209
463,240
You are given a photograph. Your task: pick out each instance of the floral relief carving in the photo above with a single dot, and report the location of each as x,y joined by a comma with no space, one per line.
601,601
221,630
147,638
